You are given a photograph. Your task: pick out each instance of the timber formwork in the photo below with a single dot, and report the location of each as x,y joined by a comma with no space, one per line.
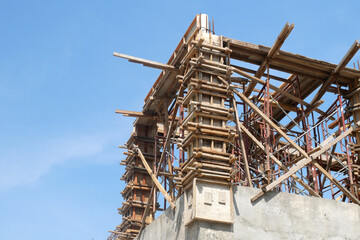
137,191
205,119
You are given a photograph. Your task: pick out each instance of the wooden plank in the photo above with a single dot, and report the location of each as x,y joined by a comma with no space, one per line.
344,61
254,72
303,62
154,178
146,63
270,55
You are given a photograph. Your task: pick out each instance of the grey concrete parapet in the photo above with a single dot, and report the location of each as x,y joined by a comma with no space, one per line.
274,216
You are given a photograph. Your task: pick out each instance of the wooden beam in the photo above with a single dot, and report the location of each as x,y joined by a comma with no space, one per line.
288,95
282,105
146,63
348,56
270,55
289,62
344,61
147,207
153,177
254,72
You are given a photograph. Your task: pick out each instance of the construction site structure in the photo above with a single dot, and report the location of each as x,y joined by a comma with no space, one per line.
205,127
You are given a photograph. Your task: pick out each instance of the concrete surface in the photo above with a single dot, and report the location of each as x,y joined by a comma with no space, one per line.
208,201
275,216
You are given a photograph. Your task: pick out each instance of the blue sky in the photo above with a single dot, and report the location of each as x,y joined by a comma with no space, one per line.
60,86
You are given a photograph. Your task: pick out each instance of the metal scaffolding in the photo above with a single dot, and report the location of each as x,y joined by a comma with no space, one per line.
204,118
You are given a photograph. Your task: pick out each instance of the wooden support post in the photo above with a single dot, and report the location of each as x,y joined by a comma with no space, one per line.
242,145
270,55
301,163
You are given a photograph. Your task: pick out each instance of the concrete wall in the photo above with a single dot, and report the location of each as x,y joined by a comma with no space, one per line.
275,216
208,201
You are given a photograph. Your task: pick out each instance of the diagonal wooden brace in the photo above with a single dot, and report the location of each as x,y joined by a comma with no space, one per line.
308,160
344,61
270,55
303,162
278,162
153,177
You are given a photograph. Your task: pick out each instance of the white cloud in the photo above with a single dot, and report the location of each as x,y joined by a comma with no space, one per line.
29,162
